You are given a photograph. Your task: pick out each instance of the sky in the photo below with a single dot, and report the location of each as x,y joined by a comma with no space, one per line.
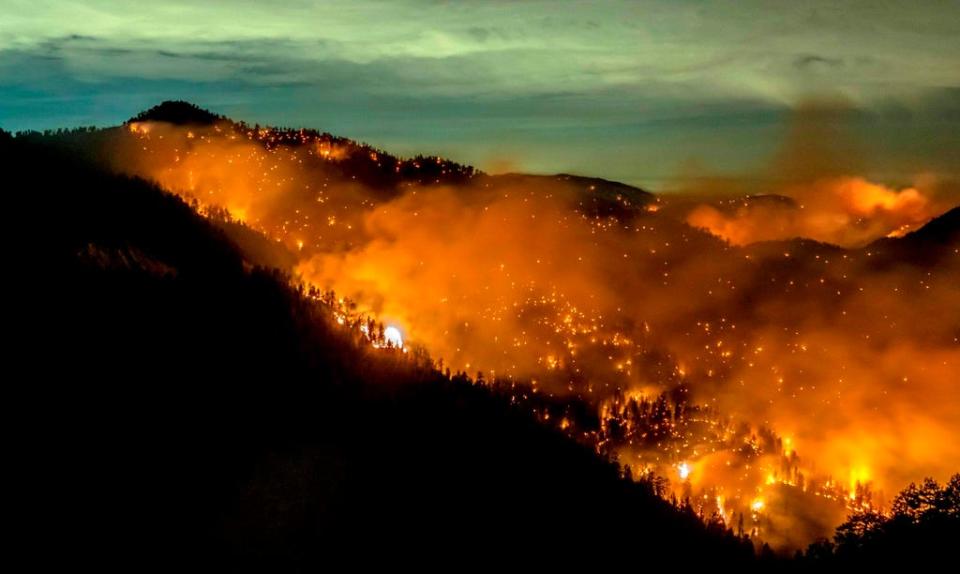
650,93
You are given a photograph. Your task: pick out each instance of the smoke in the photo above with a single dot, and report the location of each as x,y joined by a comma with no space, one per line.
846,355
811,190
847,211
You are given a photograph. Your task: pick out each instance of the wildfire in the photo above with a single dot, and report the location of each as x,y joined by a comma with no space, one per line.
689,349
393,337
848,211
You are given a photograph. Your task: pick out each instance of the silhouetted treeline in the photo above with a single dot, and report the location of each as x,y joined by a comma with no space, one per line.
357,161
923,527
177,405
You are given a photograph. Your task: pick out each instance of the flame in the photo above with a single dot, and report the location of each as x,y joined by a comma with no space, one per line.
521,281
393,337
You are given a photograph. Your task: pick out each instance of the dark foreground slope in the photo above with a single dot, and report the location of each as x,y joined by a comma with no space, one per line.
172,404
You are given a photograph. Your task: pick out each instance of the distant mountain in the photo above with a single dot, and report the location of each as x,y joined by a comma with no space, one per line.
943,229
382,170
357,161
938,238
593,195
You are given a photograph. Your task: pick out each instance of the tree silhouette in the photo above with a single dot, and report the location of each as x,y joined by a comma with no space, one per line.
923,521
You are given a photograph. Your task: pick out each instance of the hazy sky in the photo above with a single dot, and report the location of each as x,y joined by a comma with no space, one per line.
637,91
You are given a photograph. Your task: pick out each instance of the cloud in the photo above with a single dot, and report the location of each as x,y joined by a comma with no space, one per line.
624,89
813,61
546,48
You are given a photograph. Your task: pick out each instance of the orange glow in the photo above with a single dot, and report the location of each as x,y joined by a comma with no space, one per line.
694,353
848,211
393,337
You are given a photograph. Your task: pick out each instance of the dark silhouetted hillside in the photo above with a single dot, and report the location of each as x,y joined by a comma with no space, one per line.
180,406
921,529
928,245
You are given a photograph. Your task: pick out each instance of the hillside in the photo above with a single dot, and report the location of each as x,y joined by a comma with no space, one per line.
281,424
933,243
196,408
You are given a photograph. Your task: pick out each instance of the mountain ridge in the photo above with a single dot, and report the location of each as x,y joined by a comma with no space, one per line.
182,113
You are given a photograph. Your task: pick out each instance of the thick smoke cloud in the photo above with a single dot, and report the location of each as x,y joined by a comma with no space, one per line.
845,351
811,189
848,211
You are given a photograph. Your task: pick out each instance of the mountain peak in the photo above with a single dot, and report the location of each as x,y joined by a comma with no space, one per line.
177,112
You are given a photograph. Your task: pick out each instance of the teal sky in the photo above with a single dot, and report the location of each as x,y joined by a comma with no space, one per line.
627,90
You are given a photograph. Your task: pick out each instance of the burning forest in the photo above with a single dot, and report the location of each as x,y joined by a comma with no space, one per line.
776,359
624,281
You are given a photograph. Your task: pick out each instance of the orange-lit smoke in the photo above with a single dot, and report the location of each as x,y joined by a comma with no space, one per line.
849,354
848,211
811,190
